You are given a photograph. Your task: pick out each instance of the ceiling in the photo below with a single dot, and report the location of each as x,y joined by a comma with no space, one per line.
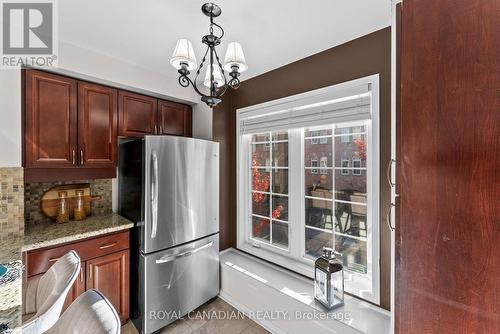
272,33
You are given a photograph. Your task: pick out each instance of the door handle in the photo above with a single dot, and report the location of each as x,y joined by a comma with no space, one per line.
388,217
154,195
389,165
107,246
73,155
172,257
81,158
191,252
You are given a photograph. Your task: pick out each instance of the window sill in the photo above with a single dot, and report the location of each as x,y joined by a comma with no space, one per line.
291,289
354,283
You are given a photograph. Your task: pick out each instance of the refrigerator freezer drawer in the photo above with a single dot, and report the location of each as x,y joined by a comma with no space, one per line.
177,281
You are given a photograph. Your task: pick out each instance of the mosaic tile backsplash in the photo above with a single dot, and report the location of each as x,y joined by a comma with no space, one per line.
11,203
34,191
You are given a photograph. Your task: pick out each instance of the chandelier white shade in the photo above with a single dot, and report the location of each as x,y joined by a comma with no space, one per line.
184,61
219,80
235,57
183,54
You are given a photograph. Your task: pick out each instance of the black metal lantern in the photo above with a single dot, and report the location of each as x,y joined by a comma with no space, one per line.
329,279
184,61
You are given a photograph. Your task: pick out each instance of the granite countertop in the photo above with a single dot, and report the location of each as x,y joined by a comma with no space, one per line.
10,293
48,234
45,235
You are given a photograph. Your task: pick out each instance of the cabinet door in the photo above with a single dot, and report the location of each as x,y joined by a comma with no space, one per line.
138,114
110,275
174,118
77,289
447,241
97,125
50,136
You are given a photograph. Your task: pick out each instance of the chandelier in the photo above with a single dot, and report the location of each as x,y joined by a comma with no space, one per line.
215,80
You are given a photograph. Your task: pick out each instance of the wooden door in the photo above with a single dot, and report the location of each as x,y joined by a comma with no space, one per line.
137,114
50,133
77,289
448,177
174,118
97,125
110,275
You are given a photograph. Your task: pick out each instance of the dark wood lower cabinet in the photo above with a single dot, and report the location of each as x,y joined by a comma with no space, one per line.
110,275
77,289
104,267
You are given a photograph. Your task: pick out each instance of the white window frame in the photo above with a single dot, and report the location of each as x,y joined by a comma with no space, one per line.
323,168
314,169
345,136
323,139
356,171
294,257
344,170
314,137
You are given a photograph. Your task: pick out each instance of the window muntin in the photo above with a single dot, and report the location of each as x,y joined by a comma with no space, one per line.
269,188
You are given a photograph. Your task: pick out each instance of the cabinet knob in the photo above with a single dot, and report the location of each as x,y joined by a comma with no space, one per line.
81,158
73,152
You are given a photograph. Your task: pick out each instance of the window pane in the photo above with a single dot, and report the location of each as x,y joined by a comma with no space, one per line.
281,135
260,204
321,154
280,154
353,253
352,128
280,234
319,213
260,155
280,181
351,219
315,241
260,179
318,185
260,228
261,137
350,150
351,188
315,132
280,207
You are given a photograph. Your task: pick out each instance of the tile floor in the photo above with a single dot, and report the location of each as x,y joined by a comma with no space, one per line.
208,326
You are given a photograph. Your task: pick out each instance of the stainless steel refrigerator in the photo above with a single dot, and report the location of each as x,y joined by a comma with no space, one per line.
169,186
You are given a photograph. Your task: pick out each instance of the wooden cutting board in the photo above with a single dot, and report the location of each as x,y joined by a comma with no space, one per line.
50,199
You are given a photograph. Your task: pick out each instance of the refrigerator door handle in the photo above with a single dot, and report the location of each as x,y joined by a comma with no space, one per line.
169,258
191,252
154,195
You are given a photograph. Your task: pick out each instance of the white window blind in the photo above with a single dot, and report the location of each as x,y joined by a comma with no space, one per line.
322,106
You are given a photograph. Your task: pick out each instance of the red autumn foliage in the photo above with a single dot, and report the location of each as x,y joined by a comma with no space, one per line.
361,146
260,182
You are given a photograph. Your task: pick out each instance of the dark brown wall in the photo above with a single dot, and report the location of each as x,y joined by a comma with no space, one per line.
361,57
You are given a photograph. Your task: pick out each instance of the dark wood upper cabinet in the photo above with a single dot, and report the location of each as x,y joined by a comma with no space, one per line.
71,127
137,114
174,119
110,275
97,125
50,120
448,144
